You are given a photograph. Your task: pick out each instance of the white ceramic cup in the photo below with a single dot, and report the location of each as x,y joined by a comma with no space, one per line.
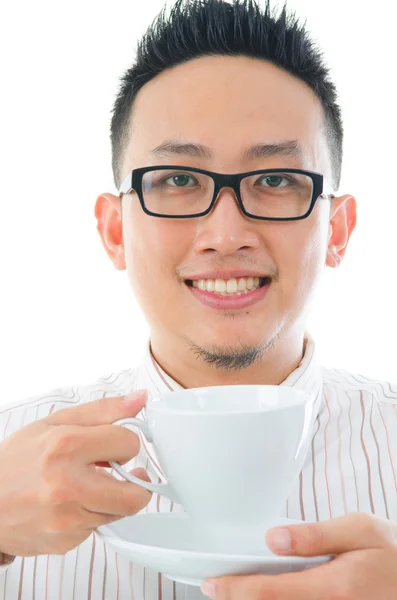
231,454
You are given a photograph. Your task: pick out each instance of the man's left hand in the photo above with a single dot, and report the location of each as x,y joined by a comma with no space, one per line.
364,568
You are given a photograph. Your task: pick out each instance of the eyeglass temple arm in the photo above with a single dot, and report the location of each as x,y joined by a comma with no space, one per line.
125,186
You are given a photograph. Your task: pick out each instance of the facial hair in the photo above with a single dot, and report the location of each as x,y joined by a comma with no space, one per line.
231,359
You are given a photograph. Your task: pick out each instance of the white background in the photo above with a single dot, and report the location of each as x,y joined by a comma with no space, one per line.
67,316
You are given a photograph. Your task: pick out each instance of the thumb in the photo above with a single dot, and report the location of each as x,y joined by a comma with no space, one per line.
356,531
100,412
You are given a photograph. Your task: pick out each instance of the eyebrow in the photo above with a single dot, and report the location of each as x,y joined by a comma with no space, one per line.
169,148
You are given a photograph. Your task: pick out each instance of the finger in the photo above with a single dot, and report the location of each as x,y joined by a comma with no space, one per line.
306,585
106,465
103,493
96,519
91,444
139,472
355,531
100,412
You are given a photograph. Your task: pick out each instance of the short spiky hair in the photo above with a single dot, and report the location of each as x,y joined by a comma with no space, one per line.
196,28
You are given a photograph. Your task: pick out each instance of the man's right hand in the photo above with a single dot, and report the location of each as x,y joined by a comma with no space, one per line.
54,490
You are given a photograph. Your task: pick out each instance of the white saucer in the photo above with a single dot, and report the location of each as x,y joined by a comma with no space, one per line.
165,542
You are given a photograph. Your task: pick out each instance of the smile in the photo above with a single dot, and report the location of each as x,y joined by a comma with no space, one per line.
218,293
228,287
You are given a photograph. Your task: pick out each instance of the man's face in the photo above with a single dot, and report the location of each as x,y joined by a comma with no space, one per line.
226,104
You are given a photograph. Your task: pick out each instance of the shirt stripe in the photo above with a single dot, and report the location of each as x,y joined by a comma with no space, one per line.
371,499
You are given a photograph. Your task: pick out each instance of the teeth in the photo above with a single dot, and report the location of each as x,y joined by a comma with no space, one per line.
231,286
220,285
223,287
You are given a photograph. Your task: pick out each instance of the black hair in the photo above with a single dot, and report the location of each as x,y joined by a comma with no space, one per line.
196,28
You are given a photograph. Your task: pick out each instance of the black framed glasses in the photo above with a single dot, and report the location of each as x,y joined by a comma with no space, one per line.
178,192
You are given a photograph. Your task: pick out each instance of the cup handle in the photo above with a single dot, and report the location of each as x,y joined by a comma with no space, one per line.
164,489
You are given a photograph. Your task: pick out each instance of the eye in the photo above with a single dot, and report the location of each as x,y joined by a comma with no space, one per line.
272,181
180,180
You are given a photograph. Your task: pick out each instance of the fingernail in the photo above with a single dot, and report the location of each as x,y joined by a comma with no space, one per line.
279,539
208,588
134,396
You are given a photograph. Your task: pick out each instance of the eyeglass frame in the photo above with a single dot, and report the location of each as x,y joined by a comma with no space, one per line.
133,183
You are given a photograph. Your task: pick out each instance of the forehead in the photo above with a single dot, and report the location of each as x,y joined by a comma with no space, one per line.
226,104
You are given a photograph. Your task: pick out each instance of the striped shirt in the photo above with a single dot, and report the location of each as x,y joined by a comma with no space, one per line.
351,466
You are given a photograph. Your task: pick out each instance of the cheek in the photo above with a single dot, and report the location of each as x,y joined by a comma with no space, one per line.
154,248
301,255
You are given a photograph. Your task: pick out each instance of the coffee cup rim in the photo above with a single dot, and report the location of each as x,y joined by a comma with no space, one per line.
304,398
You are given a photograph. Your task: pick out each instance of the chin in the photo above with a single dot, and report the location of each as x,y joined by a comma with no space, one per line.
230,341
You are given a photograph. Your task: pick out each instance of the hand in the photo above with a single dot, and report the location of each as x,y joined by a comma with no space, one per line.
365,567
54,491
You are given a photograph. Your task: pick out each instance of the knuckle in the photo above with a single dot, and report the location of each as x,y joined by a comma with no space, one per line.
61,441
379,530
386,530
56,495
363,519
369,524
54,492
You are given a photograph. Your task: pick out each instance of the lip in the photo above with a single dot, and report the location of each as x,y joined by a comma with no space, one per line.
230,302
236,274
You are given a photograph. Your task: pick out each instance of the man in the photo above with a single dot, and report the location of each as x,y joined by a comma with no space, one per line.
224,268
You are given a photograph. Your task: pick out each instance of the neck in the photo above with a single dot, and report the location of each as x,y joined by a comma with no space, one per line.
281,358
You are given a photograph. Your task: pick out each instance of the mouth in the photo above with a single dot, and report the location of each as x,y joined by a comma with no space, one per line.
233,287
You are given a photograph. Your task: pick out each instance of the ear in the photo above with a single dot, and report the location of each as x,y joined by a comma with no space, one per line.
341,226
110,228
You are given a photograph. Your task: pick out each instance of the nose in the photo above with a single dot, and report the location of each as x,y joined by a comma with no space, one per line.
226,229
